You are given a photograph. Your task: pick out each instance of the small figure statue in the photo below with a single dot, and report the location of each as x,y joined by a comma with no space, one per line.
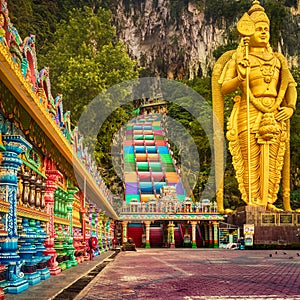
258,128
66,130
2,30
59,110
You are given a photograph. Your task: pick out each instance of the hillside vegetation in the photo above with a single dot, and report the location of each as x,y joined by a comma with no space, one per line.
79,40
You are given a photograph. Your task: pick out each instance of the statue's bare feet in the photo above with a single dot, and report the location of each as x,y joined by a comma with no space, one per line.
273,207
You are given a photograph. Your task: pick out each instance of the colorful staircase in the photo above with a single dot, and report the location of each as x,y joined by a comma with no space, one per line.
148,164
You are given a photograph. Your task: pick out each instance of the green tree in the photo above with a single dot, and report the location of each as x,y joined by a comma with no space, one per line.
86,58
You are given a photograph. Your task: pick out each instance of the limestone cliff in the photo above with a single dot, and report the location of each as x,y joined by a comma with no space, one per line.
177,38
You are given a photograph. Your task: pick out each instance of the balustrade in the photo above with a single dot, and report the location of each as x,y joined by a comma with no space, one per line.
100,232
31,188
60,203
169,206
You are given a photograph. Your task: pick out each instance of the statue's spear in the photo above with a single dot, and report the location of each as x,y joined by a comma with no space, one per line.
246,28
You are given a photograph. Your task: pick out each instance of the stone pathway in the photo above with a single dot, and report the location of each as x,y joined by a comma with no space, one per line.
191,274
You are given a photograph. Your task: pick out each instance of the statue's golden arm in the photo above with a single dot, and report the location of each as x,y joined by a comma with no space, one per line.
231,81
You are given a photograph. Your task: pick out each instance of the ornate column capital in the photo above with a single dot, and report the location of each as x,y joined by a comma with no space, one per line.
15,143
52,176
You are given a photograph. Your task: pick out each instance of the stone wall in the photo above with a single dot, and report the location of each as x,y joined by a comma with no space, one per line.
271,227
279,235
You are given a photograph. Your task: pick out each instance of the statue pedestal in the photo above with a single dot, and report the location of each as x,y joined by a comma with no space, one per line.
270,227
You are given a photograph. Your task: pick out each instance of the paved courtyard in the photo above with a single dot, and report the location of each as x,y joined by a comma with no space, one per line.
198,274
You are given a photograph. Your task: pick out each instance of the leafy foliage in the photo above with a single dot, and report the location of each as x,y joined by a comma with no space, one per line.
88,58
194,129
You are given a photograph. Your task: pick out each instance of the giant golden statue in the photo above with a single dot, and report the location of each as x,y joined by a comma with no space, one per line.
258,127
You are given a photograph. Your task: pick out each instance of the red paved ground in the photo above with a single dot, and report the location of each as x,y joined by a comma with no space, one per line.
198,274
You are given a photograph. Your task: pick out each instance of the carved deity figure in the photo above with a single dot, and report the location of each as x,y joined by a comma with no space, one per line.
258,127
2,30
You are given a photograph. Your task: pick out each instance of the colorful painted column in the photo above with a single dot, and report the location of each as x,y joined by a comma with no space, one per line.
97,250
100,225
171,239
9,167
70,200
147,224
3,231
28,252
124,225
91,212
76,244
2,281
91,209
40,248
111,232
216,235
83,216
210,228
60,247
108,236
69,248
52,176
194,244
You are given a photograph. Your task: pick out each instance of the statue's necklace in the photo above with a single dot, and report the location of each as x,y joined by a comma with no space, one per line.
267,70
267,66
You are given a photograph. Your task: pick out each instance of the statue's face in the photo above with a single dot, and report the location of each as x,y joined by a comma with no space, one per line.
261,36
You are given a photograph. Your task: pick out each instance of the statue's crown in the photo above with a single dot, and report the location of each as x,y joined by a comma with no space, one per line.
257,13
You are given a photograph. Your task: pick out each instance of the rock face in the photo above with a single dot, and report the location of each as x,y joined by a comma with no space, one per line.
176,38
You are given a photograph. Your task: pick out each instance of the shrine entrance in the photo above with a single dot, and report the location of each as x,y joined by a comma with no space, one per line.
174,234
